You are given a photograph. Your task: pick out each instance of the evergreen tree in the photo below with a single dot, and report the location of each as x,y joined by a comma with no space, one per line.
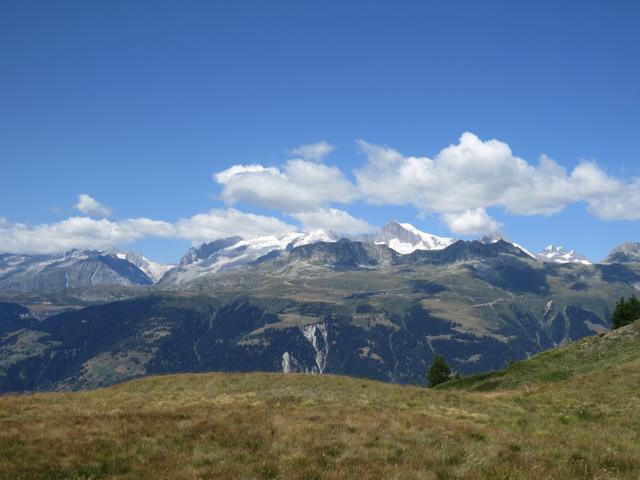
626,312
618,317
439,371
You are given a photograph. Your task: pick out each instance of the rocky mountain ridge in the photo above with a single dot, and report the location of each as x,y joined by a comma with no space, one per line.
628,252
87,268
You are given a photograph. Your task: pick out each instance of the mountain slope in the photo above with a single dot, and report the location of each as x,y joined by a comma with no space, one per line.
628,252
590,354
343,253
269,426
74,269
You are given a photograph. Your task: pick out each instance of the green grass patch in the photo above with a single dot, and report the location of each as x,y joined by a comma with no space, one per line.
588,355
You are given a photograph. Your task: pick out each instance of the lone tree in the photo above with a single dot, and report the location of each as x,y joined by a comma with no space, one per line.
439,371
626,312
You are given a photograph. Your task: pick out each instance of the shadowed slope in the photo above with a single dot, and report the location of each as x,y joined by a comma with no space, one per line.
590,354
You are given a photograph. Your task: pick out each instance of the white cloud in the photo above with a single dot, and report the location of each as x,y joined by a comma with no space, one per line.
471,222
220,223
299,186
89,233
480,174
313,151
77,232
227,175
333,219
468,175
90,206
621,204
460,183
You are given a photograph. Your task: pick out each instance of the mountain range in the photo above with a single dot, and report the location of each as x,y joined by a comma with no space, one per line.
562,255
91,268
311,302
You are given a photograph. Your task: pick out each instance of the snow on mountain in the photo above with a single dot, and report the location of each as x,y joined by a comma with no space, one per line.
404,238
205,250
153,270
314,236
562,255
232,252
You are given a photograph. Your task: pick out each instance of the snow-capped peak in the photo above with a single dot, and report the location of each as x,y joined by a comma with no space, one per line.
152,269
562,255
404,238
314,236
234,251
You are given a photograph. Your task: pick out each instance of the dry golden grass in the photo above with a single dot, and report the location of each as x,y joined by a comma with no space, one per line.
261,426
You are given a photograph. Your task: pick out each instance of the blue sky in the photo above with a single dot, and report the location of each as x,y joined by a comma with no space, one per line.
139,104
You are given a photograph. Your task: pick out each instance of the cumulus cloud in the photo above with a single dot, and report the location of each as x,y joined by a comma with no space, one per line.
77,232
90,206
471,222
333,219
459,183
103,234
300,185
221,223
468,175
313,151
480,174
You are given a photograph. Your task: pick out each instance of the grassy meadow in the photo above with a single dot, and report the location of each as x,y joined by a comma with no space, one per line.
584,425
